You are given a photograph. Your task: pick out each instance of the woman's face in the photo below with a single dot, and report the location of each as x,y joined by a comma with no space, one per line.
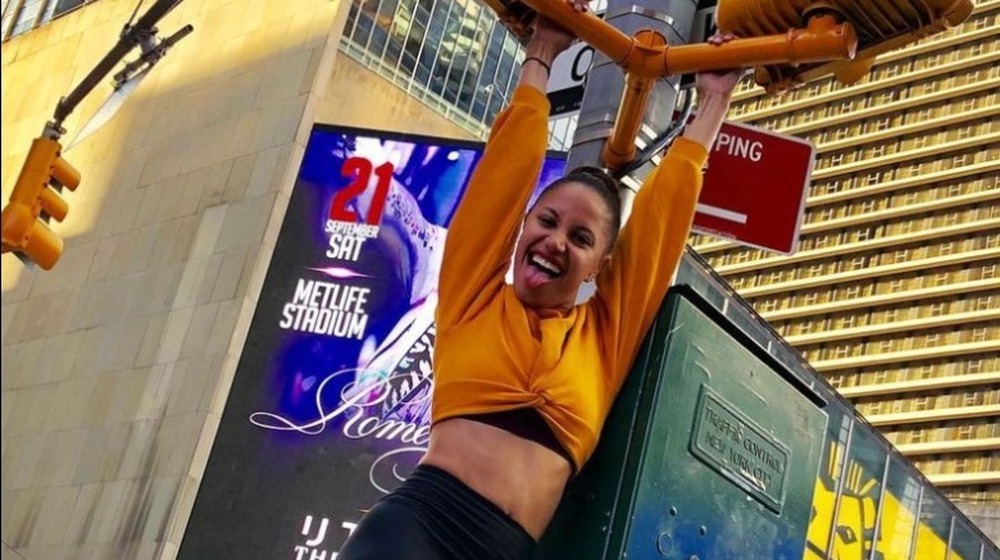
565,241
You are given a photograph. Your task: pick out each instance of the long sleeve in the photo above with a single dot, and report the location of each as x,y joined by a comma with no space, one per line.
482,233
631,288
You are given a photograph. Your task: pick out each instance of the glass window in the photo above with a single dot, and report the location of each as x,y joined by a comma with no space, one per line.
446,52
899,510
365,21
828,483
452,48
859,498
429,56
487,78
477,54
400,28
964,542
935,524
8,15
508,57
989,553
464,44
415,36
384,18
26,16
63,6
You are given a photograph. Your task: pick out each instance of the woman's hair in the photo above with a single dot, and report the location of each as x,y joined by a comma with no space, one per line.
604,185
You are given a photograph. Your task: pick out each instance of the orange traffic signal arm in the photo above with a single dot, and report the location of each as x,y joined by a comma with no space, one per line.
647,57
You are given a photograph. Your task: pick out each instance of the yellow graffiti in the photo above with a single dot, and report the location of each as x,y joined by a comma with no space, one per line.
854,532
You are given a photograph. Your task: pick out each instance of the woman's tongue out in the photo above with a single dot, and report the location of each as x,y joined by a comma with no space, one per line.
540,271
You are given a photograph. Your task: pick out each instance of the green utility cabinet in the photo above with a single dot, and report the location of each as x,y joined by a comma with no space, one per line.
710,452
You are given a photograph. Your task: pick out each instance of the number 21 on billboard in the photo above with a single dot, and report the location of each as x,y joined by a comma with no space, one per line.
361,169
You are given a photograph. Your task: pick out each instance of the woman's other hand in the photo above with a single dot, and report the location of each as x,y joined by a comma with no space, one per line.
715,90
550,37
546,43
720,82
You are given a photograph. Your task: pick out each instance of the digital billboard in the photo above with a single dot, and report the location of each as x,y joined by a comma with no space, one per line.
330,405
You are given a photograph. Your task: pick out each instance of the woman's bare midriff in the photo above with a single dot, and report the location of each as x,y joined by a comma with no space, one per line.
523,478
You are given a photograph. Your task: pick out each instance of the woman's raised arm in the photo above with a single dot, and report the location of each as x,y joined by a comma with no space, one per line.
632,286
482,234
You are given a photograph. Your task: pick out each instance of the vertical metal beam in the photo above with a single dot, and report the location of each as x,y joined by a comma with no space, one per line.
951,537
832,536
916,524
881,501
423,43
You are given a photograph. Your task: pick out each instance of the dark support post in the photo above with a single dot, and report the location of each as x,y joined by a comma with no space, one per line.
130,37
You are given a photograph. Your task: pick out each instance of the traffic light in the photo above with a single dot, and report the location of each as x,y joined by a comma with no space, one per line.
881,26
34,200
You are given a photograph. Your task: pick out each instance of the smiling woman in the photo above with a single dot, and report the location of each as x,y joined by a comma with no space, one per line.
567,237
524,377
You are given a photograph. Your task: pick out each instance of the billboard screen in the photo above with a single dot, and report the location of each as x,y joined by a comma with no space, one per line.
330,405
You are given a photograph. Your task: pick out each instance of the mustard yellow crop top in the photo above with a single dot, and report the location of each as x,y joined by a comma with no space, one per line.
492,354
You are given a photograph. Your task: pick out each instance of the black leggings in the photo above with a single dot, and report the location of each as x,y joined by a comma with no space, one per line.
434,516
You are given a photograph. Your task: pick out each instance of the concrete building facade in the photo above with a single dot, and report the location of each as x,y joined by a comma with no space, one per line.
117,363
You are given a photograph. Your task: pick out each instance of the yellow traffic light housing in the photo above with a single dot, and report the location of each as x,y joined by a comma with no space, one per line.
34,199
881,26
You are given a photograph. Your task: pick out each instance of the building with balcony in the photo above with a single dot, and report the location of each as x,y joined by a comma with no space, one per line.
894,294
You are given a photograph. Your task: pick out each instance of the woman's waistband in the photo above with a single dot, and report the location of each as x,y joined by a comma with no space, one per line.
445,494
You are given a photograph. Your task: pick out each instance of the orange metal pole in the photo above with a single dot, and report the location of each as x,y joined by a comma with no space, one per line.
823,40
647,57
588,27
619,150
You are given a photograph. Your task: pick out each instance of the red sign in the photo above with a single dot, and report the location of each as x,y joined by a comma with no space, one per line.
755,188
